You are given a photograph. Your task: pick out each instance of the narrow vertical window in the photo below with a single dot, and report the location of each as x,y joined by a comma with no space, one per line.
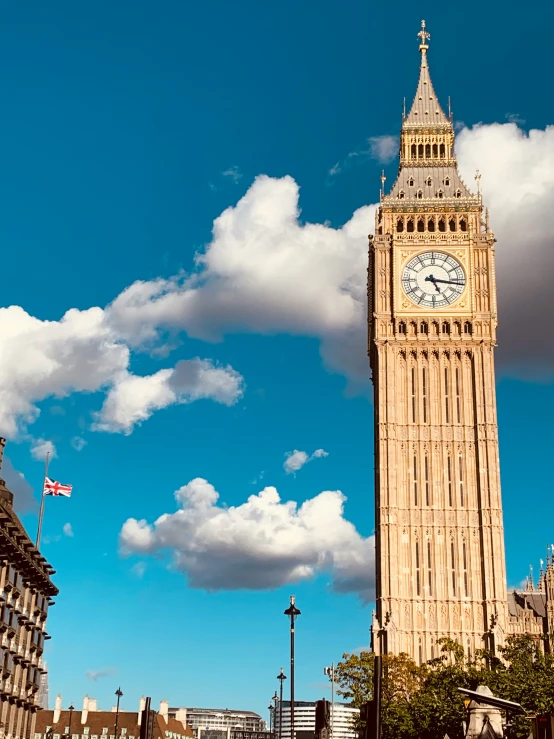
464,555
449,473
429,568
458,401
446,399
469,648
453,567
418,581
427,487
413,395
432,650
424,389
415,480
461,467
420,653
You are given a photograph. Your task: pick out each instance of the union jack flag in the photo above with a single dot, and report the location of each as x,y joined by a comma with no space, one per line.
51,487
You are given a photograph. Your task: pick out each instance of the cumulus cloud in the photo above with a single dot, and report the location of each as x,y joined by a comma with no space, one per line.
68,530
262,544
518,187
295,460
265,271
41,448
23,500
133,399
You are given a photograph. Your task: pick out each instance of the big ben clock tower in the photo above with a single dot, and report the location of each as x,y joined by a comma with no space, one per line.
432,332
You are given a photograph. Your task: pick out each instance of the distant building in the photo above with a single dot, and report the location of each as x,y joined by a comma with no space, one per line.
219,718
42,698
26,592
531,611
342,718
90,723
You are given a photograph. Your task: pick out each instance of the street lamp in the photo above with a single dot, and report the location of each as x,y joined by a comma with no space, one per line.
119,695
71,709
292,612
281,676
274,702
330,672
270,709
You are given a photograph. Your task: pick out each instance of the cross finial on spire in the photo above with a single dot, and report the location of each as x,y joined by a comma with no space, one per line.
424,36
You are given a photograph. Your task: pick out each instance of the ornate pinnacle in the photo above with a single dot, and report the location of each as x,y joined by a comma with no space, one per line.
424,36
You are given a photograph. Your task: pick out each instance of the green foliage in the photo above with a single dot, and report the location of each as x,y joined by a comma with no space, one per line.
425,703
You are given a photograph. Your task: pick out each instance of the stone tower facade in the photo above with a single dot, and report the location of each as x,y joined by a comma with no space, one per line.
432,332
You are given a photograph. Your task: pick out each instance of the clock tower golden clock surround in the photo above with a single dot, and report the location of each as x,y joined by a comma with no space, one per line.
432,316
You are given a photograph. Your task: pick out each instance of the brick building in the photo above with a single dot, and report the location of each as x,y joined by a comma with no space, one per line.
26,591
91,723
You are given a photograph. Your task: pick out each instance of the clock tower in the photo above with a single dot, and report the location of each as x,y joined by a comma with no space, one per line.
432,331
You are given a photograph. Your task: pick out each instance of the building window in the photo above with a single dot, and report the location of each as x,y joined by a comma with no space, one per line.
419,194
432,650
463,224
410,225
401,327
418,582
464,557
420,225
435,151
401,194
400,225
446,181
453,567
458,194
458,399
420,653
424,328
415,481
427,485
429,568
442,151
427,151
420,151
449,477
424,393
413,395
445,327
467,328
442,225
414,151
428,182
446,395
461,469
452,224
431,225
411,182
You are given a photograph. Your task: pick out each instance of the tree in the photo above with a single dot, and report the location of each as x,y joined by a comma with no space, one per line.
423,702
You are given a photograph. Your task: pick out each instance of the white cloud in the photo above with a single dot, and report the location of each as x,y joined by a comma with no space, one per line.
68,530
78,443
383,148
233,173
518,187
267,272
133,399
138,569
41,448
95,675
295,460
262,544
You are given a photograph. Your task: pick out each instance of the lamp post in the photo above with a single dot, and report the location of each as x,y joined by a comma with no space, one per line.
292,612
274,701
119,695
281,677
330,672
71,709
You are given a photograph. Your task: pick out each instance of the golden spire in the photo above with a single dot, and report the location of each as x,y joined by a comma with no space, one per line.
424,36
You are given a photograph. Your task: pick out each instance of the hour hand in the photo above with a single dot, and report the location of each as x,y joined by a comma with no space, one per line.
446,282
434,281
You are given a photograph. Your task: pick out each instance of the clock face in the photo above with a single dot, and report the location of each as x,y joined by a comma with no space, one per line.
433,279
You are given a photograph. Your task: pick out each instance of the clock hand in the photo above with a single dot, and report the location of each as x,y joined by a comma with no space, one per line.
434,281
447,282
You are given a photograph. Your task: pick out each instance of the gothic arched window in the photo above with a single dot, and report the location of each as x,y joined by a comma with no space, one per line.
442,225
414,151
463,224
411,182
447,181
442,151
458,194
400,225
435,151
452,224
420,151
428,151
419,194
431,224
420,225
410,225
428,182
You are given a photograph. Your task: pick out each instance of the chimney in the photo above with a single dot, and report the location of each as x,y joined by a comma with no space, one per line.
181,715
114,709
93,705
142,704
84,712
164,710
57,709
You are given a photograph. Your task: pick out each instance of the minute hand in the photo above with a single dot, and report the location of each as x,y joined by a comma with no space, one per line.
448,282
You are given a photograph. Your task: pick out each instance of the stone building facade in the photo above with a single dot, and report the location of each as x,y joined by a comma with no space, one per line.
26,592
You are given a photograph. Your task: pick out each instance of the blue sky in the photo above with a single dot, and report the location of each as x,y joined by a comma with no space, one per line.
126,130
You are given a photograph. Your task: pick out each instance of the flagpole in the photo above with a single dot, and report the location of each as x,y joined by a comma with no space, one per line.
42,499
